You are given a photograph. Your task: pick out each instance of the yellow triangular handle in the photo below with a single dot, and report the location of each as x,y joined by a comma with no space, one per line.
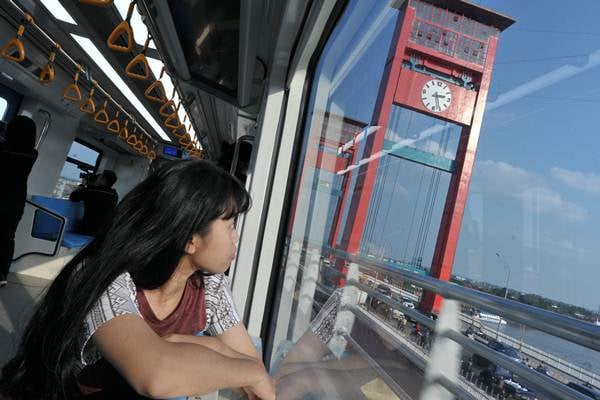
140,59
180,131
152,154
122,29
12,46
101,116
124,132
132,140
172,121
185,140
159,89
164,109
72,92
88,105
47,73
16,43
114,125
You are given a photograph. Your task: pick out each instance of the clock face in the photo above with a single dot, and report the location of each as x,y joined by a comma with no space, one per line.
436,95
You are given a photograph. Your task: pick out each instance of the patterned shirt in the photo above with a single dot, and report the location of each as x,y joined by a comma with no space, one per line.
120,299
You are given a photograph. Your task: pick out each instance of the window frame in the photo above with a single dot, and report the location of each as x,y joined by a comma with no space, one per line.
84,164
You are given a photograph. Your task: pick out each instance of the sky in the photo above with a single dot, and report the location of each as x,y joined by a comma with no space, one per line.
533,205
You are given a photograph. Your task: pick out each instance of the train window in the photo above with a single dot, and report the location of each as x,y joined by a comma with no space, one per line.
82,159
378,191
3,107
9,102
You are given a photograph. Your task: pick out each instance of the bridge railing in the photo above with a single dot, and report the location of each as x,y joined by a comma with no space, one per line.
547,358
570,329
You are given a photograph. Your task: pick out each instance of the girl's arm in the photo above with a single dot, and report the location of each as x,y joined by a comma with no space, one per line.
213,343
238,339
157,368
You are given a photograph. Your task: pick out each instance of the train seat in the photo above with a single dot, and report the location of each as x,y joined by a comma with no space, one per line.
46,226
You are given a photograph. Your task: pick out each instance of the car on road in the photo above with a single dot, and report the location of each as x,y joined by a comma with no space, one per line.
500,347
376,304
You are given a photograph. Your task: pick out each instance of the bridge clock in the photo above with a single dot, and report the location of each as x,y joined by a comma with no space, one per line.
436,95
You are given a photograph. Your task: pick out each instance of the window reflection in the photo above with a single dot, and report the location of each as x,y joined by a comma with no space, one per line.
527,232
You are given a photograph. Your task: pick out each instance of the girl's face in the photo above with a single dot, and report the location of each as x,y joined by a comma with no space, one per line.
215,251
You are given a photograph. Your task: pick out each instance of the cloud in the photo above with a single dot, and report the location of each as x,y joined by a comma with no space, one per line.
561,245
500,179
587,182
435,148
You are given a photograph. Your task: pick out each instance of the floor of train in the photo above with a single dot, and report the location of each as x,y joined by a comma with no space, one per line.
17,301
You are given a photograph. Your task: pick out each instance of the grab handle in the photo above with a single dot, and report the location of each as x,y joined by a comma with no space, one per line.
16,44
102,116
124,28
72,91
47,73
142,61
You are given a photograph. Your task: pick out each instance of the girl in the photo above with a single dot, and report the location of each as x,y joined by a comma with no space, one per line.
120,319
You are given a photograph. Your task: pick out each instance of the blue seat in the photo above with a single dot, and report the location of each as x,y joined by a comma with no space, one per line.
46,226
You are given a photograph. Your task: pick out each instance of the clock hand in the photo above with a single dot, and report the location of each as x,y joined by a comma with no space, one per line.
437,102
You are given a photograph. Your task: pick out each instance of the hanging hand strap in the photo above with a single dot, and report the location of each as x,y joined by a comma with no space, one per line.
102,115
140,60
124,132
47,73
72,91
122,30
88,105
114,125
156,91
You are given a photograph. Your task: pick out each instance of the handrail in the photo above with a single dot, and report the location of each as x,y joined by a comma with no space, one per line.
539,382
394,303
568,328
61,232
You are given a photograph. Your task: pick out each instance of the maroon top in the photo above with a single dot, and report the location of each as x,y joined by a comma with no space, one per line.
101,380
188,318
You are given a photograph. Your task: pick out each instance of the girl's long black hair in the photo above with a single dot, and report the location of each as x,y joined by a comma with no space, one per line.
146,238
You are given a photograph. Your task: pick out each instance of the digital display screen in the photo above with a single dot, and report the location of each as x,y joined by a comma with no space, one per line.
171,151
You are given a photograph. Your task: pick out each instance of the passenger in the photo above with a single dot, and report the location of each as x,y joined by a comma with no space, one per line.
17,156
120,319
99,199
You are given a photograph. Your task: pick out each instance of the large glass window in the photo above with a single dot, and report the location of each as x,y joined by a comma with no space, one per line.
82,160
373,190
